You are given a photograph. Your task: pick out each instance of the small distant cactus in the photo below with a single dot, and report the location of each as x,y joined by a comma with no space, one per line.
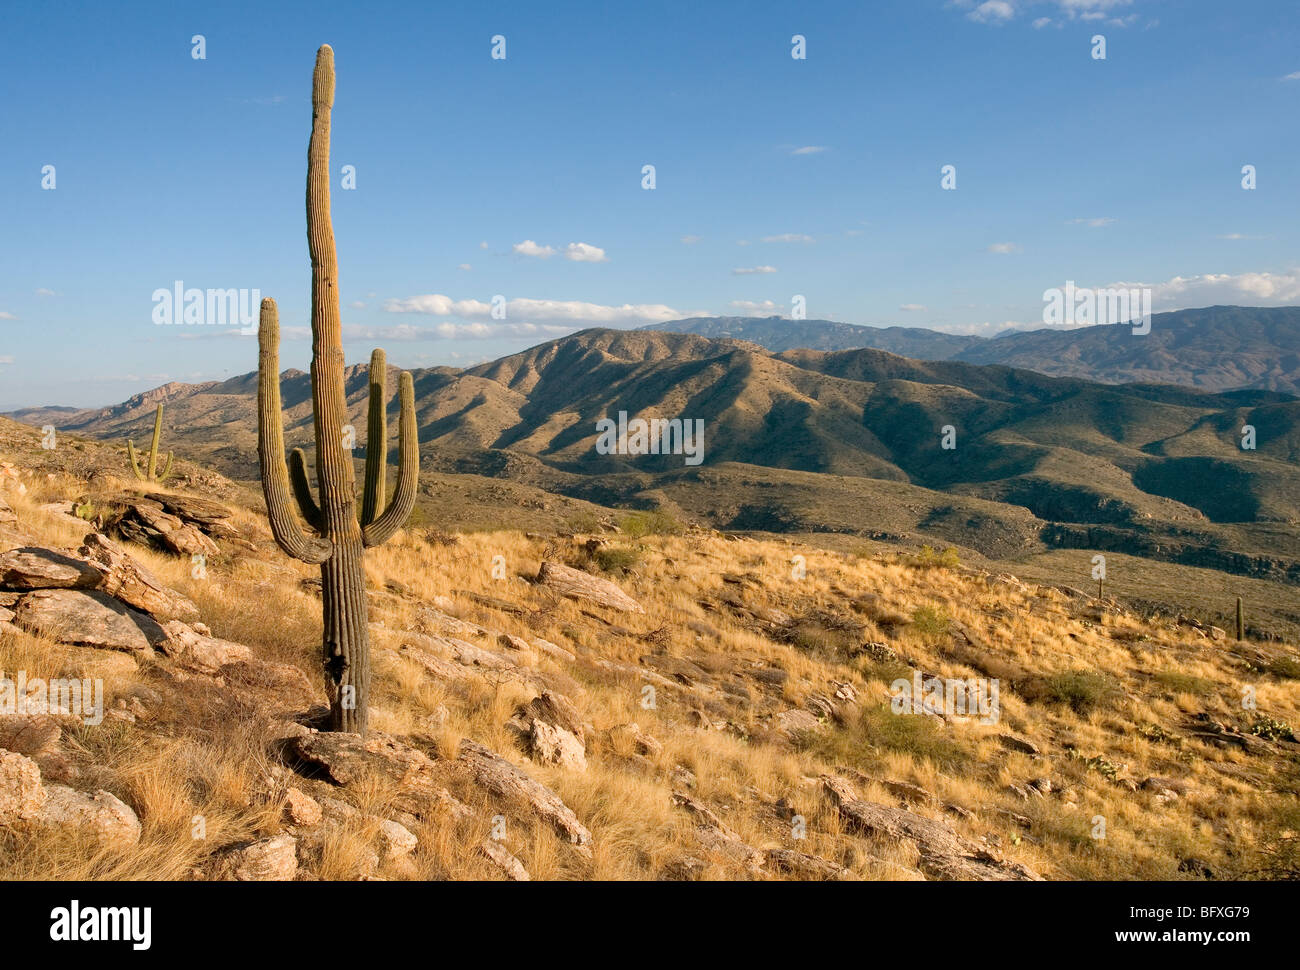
1241,622
342,537
151,474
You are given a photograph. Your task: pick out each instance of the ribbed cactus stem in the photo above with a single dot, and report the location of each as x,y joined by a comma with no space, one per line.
151,473
1241,621
376,487
342,542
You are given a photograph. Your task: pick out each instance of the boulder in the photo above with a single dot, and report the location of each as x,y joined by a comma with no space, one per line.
101,816
347,759
501,857
125,578
32,567
265,860
301,809
554,746
504,780
578,585
800,865
21,794
88,618
146,523
205,654
396,841
943,853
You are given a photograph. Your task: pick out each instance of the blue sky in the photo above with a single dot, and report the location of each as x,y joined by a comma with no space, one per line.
522,177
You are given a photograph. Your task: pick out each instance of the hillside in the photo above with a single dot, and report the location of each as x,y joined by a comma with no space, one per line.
1214,348
739,720
847,442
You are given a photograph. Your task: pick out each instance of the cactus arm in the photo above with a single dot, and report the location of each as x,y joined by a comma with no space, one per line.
167,468
376,487
270,447
135,463
408,471
302,490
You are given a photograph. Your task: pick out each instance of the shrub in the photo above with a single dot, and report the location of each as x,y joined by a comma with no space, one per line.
617,558
930,622
928,558
636,525
1081,689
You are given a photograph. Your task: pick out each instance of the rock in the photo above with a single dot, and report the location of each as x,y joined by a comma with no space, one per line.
681,777
578,585
149,525
715,836
266,860
504,780
630,737
33,567
121,576
301,809
794,725
1020,745
7,515
21,794
943,853
348,759
437,622
205,654
557,709
395,841
511,642
104,817
806,867
507,863
878,652
553,650
205,514
555,746
91,619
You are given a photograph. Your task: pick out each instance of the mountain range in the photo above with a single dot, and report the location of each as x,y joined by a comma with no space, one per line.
849,442
1214,348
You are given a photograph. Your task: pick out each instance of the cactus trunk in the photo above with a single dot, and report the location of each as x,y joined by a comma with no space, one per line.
1241,622
151,474
343,538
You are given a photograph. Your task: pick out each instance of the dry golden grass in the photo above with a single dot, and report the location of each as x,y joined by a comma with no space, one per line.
1102,685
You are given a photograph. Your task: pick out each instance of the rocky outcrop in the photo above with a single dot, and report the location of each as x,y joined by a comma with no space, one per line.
32,567
578,585
943,854
87,618
123,577
504,780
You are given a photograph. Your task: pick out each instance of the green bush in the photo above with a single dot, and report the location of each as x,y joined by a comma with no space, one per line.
637,525
930,623
928,558
617,558
1081,689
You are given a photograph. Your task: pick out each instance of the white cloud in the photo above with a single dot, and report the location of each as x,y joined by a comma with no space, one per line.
788,237
809,150
750,270
1093,223
1212,289
690,240
992,11
561,312
42,291
763,306
1292,77
1042,22
1003,248
530,248
465,266
358,304
6,315
584,253
913,307
6,360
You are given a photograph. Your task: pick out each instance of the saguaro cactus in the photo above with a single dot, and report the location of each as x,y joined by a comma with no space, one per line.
1241,622
151,475
342,537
